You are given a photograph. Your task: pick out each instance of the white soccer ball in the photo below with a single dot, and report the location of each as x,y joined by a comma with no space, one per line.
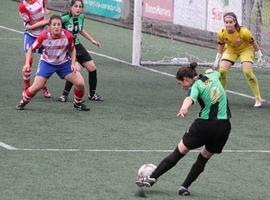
146,170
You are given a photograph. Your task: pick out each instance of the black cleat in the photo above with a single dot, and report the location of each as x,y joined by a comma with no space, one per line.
146,181
95,97
183,191
62,98
81,106
20,106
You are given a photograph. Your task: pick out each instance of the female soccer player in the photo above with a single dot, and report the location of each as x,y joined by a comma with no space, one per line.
235,41
57,43
32,13
210,130
73,22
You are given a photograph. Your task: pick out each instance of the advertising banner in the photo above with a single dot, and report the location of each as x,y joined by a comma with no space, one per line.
216,10
106,8
158,9
190,13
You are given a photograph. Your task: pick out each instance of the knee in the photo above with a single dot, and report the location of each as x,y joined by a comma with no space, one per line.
248,73
80,85
91,66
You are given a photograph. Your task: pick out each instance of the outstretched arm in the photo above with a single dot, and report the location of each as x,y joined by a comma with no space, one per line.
90,38
28,58
74,64
220,49
258,52
45,7
256,46
184,108
33,25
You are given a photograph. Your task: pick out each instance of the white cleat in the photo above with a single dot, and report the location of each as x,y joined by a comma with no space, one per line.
258,104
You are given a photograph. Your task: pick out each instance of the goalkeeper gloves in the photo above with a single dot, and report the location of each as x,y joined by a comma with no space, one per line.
259,56
218,57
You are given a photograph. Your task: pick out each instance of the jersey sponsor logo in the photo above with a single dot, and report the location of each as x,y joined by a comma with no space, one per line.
206,83
70,27
214,94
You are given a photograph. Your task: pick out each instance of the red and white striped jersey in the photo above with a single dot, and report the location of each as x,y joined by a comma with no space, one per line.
33,11
56,50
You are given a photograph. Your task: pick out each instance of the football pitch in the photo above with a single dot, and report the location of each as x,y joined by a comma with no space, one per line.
51,151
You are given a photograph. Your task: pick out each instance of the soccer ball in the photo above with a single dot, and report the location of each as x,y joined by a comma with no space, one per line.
146,170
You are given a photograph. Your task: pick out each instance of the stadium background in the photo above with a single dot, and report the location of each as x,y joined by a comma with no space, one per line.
161,17
50,151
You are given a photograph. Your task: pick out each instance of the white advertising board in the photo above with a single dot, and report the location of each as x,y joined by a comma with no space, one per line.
190,13
216,10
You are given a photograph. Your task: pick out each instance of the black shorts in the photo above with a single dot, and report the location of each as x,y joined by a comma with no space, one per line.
211,133
82,54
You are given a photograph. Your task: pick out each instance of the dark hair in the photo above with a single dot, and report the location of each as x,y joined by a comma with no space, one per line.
187,71
72,2
55,17
232,15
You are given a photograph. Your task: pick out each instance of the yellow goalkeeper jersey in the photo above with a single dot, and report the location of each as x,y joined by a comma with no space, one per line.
237,41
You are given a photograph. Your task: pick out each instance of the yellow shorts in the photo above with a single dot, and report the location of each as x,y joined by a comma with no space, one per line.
246,55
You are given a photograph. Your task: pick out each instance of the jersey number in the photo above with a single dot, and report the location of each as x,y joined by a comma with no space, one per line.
215,94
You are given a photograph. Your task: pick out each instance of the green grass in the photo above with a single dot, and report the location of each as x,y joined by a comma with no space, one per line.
60,151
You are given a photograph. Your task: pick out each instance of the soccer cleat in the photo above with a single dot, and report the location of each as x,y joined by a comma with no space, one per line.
81,106
146,181
183,191
258,104
46,93
95,97
20,106
62,98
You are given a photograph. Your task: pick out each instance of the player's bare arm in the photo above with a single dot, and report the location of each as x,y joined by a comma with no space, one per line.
184,108
36,24
28,57
90,38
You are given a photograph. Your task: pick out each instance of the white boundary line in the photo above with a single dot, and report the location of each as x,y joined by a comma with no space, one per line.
7,146
141,67
127,150
2,38
11,29
12,148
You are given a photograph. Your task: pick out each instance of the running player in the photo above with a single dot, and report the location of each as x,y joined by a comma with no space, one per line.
235,41
32,13
57,43
73,22
210,130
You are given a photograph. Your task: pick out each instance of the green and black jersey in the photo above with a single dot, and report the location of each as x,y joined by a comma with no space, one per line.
210,94
73,24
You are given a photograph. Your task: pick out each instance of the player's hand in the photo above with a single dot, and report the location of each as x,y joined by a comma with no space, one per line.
26,68
209,70
47,21
96,43
76,67
182,113
27,27
259,56
47,11
217,60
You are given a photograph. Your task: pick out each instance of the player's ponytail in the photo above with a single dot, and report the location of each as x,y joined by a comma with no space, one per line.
187,71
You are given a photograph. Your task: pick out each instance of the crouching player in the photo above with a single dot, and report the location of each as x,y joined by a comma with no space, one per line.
58,45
